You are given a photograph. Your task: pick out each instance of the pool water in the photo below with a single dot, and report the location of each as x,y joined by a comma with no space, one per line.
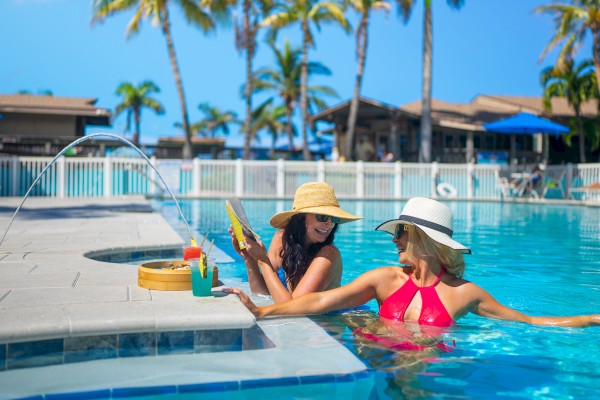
540,259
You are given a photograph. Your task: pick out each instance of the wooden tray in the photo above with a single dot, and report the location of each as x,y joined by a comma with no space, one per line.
157,275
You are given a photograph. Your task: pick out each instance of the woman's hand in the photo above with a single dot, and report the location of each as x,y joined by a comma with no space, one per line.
234,243
245,300
256,249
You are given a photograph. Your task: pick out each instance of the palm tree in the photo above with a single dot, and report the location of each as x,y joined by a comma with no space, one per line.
245,39
364,8
406,7
214,120
270,118
285,79
306,12
158,12
573,21
134,98
577,84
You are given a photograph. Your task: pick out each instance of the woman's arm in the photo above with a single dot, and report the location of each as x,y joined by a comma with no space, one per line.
323,269
361,290
265,267
255,278
485,305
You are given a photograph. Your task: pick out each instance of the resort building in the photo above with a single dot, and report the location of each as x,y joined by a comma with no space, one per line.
458,134
44,125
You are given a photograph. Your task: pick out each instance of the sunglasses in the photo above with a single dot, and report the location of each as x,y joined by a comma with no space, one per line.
400,228
324,218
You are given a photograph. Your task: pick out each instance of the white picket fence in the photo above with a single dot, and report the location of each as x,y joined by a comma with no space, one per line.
107,177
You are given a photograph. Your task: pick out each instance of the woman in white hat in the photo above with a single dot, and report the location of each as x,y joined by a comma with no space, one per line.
301,257
428,289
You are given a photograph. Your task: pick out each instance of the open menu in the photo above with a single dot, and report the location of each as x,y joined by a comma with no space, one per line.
239,221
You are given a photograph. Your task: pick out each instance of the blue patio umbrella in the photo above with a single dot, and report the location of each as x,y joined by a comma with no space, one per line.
524,124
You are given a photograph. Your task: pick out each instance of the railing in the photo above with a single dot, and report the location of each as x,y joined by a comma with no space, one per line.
107,177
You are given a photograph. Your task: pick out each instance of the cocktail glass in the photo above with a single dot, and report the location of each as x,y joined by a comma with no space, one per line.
201,285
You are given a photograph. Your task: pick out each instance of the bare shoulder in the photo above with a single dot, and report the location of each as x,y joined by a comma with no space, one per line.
463,287
329,251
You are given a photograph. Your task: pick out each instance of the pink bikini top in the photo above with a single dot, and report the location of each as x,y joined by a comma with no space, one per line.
433,311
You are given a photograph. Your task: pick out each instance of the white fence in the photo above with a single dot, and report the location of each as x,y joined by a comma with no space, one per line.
107,177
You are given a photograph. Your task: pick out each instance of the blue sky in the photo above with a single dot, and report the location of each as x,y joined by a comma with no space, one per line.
487,47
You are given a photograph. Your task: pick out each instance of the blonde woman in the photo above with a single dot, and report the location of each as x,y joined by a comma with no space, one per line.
429,289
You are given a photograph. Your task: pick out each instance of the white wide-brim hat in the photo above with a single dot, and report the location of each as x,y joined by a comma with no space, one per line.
313,198
432,217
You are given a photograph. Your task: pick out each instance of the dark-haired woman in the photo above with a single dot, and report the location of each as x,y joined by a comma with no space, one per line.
301,257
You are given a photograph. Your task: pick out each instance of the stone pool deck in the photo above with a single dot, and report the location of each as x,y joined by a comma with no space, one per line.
50,289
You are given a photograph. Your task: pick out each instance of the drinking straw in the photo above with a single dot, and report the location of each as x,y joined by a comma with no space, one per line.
204,238
193,242
210,248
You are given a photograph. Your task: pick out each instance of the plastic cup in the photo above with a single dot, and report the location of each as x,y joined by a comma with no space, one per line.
191,252
201,286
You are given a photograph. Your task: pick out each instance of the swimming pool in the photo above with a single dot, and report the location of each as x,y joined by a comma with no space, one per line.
538,258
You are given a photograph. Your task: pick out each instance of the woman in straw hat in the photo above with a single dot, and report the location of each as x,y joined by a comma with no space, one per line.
301,257
428,289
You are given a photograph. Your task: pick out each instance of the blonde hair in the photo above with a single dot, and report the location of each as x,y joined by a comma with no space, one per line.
421,246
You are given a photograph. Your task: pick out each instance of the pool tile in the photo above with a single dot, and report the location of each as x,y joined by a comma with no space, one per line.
209,387
37,397
89,348
3,356
137,344
95,394
144,391
254,338
178,342
304,380
218,340
35,354
260,383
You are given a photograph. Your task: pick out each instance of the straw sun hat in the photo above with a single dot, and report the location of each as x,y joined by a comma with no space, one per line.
313,198
432,217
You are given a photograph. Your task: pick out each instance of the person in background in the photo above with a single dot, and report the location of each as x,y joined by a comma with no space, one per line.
428,289
302,257
365,150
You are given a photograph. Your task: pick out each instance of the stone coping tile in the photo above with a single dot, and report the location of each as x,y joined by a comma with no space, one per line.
105,318
22,267
202,313
32,323
38,280
127,275
57,296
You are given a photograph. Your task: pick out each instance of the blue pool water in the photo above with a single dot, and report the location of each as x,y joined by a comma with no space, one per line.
540,259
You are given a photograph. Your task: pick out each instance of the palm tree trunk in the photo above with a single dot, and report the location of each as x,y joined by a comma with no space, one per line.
304,87
596,58
361,51
581,135
166,27
249,33
288,128
137,118
425,146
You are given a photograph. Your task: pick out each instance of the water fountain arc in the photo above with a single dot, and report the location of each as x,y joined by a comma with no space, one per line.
86,138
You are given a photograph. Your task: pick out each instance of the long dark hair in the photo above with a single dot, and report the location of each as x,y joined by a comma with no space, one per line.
296,259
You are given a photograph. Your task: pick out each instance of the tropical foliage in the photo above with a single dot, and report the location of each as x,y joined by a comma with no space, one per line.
406,7
285,81
577,83
201,14
246,31
307,13
363,8
134,99
270,118
214,121
572,24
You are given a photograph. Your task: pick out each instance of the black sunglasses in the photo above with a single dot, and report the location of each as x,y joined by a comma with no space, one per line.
400,228
324,218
